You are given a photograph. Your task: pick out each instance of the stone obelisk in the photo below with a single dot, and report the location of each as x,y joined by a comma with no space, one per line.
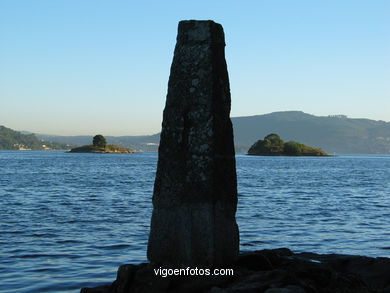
195,191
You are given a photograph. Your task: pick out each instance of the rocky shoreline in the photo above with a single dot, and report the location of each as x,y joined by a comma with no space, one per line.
268,271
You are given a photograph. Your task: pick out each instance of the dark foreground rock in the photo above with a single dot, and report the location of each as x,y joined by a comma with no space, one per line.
269,271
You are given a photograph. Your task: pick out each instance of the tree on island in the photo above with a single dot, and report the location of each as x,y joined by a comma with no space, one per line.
273,143
99,141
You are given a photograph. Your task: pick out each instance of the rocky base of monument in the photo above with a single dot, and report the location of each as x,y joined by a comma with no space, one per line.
269,271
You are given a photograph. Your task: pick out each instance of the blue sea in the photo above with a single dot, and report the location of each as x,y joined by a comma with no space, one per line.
69,220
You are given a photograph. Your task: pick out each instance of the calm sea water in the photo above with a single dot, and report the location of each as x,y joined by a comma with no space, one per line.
69,220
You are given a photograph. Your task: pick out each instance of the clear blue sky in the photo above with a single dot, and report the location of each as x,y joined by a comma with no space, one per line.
87,66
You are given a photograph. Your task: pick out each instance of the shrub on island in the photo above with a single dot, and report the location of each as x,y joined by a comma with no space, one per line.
273,145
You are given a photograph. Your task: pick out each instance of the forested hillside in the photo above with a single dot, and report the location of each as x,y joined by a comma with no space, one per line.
15,140
334,134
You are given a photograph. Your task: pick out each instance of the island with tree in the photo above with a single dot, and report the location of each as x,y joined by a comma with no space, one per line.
273,145
99,145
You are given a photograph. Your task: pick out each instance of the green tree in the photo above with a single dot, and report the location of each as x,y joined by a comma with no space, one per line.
273,143
273,137
293,148
99,141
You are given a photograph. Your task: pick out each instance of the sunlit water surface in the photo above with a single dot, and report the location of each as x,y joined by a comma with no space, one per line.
69,220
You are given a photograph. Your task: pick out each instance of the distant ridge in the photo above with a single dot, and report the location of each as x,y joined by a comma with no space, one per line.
334,134
15,140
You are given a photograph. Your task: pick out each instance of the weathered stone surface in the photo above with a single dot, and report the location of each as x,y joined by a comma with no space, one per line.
195,191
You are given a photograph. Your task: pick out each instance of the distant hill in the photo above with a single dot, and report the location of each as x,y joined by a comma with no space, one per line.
15,140
333,134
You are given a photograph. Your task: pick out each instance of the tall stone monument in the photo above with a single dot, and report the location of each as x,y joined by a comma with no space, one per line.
195,191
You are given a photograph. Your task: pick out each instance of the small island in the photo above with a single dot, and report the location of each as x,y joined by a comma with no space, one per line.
273,145
99,145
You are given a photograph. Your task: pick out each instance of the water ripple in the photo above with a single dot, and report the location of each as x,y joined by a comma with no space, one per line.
69,220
